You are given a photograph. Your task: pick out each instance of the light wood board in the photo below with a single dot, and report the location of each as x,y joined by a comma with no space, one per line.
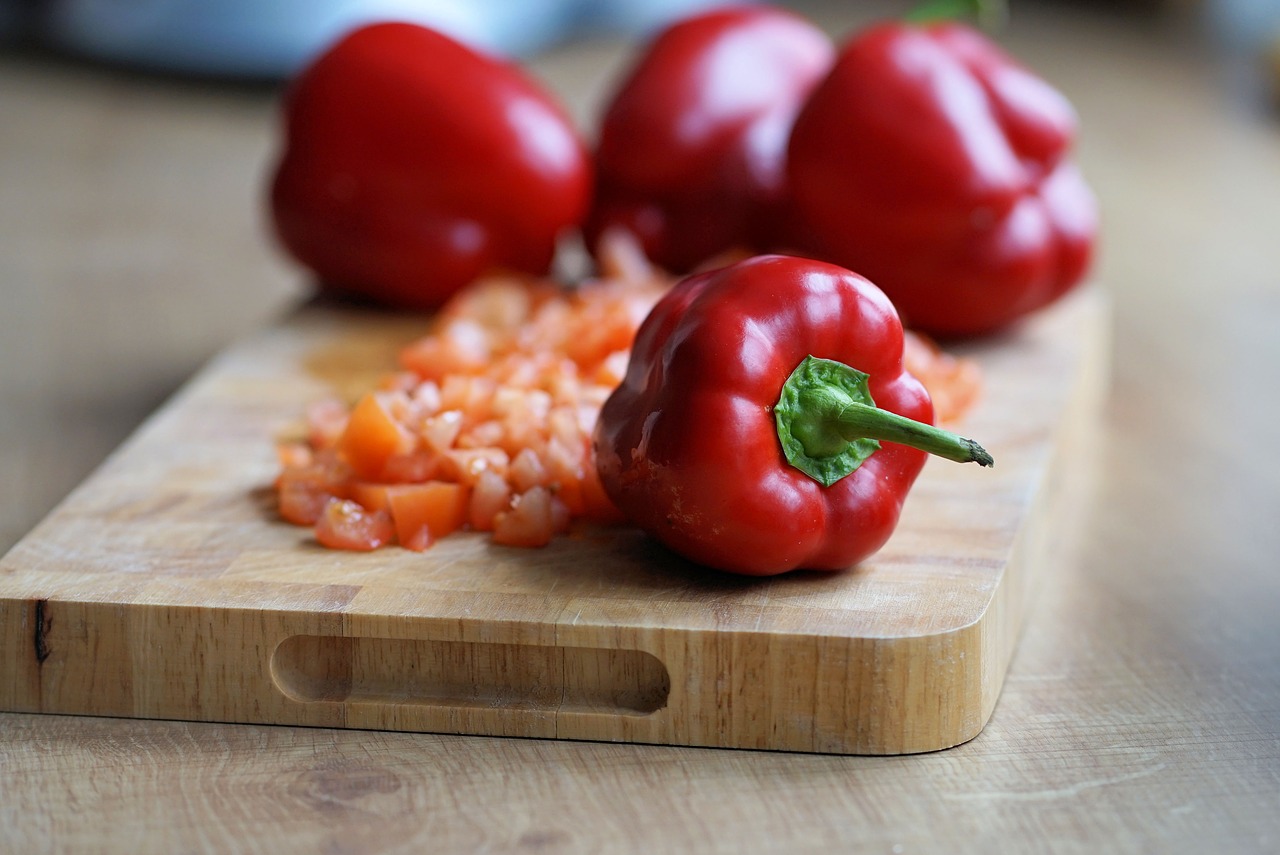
165,587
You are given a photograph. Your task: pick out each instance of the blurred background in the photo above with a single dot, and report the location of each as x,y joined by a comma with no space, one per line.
248,39
271,39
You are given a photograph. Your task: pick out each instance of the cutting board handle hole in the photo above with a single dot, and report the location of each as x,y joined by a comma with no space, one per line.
536,678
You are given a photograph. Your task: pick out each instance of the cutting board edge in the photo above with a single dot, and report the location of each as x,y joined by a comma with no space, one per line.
64,672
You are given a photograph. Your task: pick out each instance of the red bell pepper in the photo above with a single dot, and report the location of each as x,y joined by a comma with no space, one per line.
692,148
745,433
932,163
413,165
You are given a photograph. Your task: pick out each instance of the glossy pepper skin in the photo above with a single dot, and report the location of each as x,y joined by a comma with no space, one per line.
413,164
687,446
932,163
692,148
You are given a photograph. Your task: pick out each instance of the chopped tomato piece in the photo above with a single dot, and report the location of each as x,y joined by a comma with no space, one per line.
490,497
532,520
465,465
305,489
424,513
370,438
302,503
326,419
952,382
441,430
345,525
371,496
528,471
470,394
293,454
412,467
461,347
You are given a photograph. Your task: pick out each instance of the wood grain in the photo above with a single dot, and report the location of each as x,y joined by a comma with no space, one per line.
165,587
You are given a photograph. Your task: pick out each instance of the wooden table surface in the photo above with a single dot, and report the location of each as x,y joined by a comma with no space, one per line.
1142,710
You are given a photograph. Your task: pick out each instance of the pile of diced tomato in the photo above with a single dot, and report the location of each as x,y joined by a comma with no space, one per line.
487,426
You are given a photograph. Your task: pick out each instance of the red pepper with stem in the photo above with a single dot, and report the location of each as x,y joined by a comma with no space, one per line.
934,164
692,151
413,165
766,422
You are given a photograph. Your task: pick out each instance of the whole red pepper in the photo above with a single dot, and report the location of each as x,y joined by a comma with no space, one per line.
692,149
413,164
932,163
744,433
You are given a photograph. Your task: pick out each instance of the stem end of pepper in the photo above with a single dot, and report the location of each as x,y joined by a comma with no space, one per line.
978,454
991,15
829,425
805,416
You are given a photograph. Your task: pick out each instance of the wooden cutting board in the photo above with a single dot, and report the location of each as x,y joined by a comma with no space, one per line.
165,587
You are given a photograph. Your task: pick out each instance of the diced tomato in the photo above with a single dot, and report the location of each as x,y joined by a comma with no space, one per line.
427,396
565,473
424,513
563,426
486,434
371,436
441,430
304,490
460,347
399,381
602,329
345,525
527,471
371,496
326,419
612,368
490,496
413,467
293,454
465,465
532,520
469,394
302,503
952,382
416,541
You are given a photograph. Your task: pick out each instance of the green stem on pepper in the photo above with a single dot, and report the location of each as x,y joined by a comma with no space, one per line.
829,425
990,14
